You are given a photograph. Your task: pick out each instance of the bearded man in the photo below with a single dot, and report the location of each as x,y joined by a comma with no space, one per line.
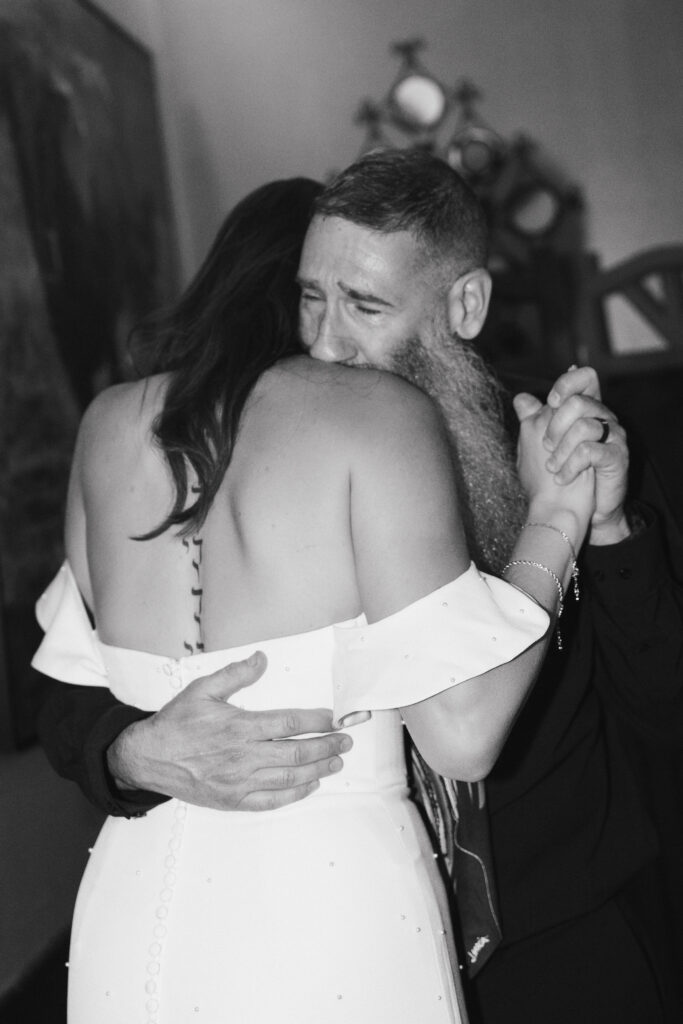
393,276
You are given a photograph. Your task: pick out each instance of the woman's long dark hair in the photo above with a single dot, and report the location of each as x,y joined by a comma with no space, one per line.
236,318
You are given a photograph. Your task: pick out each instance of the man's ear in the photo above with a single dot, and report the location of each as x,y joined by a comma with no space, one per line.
468,303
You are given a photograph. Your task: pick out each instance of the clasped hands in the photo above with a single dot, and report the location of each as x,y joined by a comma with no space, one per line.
580,433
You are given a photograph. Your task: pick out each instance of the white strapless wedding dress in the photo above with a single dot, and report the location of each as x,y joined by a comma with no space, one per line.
328,910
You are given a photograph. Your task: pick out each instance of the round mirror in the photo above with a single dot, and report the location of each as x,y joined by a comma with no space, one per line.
475,151
534,210
477,156
419,101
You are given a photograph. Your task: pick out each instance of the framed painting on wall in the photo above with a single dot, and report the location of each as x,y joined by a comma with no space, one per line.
87,249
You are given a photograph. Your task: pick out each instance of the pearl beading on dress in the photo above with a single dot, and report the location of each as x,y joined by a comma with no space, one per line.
410,654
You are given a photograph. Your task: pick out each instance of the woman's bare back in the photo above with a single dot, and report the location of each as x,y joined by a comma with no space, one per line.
276,555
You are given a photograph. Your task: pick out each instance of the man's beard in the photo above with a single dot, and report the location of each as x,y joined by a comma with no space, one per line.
472,402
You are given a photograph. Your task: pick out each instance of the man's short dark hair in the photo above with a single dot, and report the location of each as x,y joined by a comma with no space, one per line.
411,190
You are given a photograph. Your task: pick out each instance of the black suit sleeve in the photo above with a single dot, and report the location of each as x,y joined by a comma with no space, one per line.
76,725
636,601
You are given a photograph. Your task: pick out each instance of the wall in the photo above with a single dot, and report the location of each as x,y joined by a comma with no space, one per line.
255,89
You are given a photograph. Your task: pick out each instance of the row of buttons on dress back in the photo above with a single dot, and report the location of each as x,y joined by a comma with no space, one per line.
159,931
173,671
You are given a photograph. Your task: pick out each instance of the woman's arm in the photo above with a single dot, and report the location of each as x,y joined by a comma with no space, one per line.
408,541
75,534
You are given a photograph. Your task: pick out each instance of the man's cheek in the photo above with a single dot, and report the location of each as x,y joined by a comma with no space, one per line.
304,330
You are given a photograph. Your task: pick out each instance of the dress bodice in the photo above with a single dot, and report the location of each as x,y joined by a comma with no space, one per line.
457,632
298,675
338,894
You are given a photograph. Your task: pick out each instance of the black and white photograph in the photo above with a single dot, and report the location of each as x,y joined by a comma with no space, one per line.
341,513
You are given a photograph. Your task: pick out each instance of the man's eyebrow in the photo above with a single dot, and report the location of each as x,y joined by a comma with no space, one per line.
352,293
357,296
305,282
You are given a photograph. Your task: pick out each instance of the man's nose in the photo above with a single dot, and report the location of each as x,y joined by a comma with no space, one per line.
331,343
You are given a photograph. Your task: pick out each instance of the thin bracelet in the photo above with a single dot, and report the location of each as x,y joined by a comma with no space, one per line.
529,597
565,538
556,580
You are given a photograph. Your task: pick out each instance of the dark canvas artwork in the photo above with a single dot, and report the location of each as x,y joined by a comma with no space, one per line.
86,249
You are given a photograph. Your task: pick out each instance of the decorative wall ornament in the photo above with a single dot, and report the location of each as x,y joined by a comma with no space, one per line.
527,198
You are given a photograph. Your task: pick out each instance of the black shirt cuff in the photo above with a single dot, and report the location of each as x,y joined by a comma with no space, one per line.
631,569
118,802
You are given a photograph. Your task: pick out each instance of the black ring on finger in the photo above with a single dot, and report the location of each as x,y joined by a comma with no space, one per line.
605,429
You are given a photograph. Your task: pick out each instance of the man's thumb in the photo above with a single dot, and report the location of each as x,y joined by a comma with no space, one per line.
525,405
233,677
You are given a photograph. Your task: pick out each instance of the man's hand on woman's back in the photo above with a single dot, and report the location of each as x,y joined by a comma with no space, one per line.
203,750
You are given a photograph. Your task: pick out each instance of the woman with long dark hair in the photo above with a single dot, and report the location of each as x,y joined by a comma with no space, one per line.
242,496
236,319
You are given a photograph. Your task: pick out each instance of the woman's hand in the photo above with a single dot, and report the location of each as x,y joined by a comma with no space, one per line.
544,488
585,432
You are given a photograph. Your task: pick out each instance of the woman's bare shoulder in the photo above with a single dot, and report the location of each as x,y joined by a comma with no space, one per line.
349,396
126,407
117,425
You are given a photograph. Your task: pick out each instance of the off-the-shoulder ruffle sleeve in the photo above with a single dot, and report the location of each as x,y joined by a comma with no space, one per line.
69,651
468,627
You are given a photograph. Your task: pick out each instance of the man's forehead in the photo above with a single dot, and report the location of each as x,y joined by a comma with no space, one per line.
337,225
336,241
